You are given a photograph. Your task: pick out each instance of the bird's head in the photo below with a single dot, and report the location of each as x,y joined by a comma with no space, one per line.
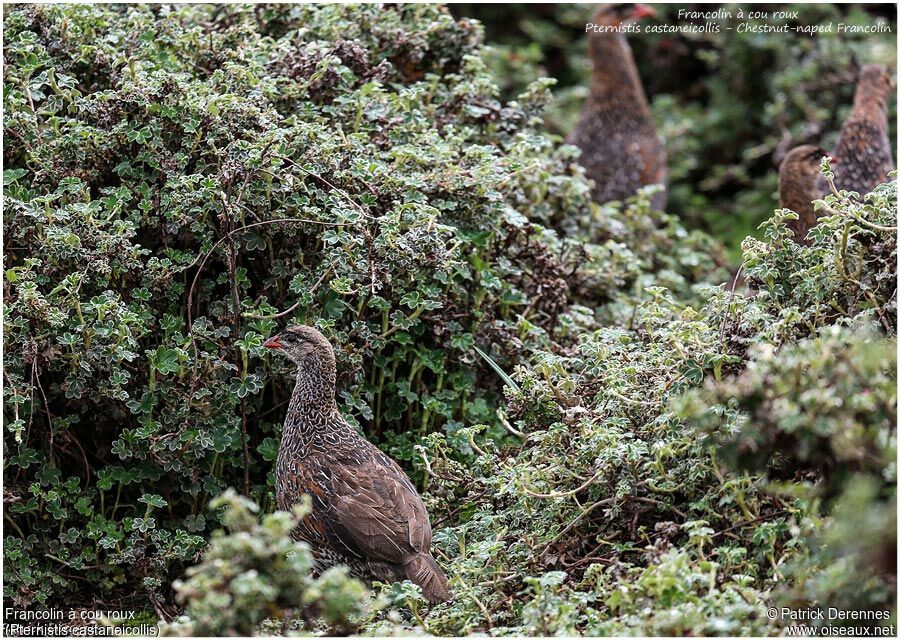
617,14
302,344
806,160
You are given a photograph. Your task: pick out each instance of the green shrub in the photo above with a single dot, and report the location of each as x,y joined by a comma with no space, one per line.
605,472
187,178
624,496
257,571
849,563
825,406
818,393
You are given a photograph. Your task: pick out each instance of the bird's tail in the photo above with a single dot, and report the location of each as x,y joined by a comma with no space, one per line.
422,569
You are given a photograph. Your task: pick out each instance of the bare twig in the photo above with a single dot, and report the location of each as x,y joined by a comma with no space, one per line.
40,387
355,204
272,316
227,236
563,494
599,503
734,280
750,522
659,503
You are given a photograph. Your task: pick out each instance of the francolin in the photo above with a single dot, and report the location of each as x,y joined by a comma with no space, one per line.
366,514
620,149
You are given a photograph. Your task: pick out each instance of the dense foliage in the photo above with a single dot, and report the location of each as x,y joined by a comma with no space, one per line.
256,570
729,103
186,180
628,492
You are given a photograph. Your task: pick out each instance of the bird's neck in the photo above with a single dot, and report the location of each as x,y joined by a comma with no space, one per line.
797,188
615,83
312,408
870,106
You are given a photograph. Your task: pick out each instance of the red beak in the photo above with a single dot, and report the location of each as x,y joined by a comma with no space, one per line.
643,11
834,160
272,343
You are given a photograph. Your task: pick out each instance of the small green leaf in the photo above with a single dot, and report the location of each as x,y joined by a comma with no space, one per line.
503,375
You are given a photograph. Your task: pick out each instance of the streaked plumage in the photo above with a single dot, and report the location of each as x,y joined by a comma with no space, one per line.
799,183
620,149
864,148
862,158
366,513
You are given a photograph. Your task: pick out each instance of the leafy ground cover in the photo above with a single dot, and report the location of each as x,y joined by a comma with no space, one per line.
185,180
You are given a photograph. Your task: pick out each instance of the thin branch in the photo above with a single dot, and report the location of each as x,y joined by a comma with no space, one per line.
585,512
290,309
415,314
227,236
750,522
660,504
503,420
563,494
338,189
872,225
737,276
40,387
645,403
854,215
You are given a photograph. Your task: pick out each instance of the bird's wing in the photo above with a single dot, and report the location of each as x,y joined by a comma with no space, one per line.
376,510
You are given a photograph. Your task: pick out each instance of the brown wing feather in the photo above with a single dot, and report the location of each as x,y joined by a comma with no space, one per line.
380,511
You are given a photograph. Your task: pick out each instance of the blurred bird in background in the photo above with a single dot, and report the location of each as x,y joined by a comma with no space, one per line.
620,149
